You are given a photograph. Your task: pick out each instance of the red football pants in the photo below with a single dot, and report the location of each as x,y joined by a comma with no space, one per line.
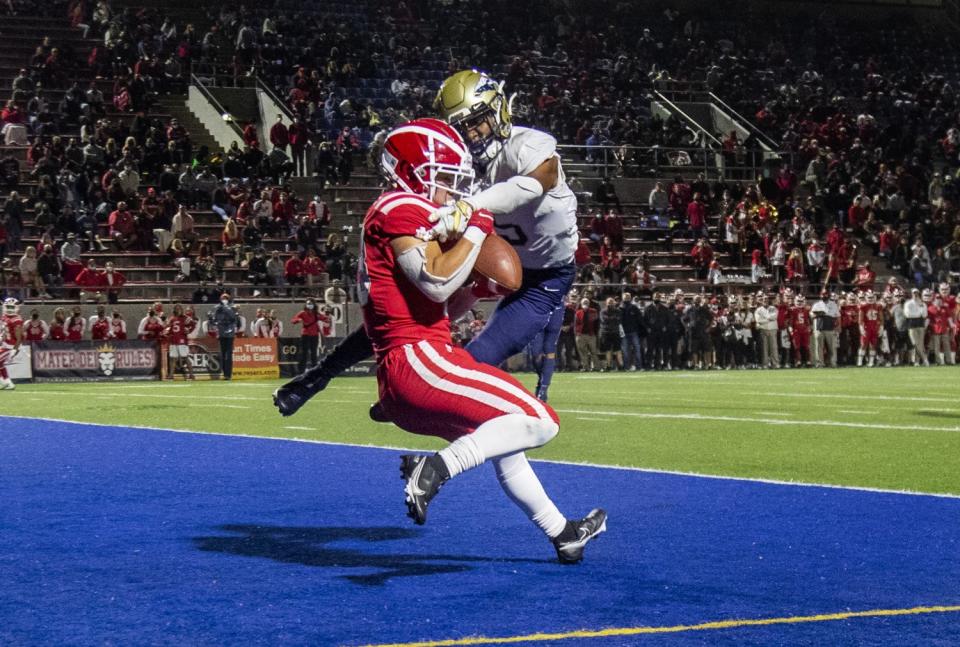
440,390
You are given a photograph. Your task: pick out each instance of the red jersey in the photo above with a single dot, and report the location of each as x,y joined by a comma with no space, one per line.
191,325
150,328
99,328
783,315
11,325
119,328
35,330
395,311
871,314
800,318
75,327
849,316
176,331
939,319
58,331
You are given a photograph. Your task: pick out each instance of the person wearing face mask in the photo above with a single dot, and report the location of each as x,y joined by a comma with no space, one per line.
118,327
311,320
100,328
76,325
150,326
226,320
58,327
35,329
610,334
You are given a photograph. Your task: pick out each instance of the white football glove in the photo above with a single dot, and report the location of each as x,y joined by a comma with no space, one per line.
451,221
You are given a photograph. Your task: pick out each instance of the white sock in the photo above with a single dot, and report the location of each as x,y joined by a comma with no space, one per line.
523,487
507,434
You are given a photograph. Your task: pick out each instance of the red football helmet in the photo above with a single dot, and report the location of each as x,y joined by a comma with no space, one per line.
424,155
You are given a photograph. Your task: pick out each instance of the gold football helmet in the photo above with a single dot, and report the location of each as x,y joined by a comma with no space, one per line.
470,98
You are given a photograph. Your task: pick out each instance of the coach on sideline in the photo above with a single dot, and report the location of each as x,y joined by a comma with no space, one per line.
226,320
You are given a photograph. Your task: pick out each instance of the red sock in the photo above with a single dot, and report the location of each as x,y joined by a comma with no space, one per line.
3,373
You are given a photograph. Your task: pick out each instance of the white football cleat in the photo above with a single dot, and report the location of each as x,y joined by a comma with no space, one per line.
7,385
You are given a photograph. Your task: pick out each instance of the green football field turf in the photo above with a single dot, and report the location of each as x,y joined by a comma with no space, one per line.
882,428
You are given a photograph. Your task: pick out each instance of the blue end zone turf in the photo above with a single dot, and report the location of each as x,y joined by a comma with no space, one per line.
133,537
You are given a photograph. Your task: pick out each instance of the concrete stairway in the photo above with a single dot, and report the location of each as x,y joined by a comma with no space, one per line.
176,107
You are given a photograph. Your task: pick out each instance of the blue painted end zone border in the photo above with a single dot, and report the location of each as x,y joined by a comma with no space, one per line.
144,537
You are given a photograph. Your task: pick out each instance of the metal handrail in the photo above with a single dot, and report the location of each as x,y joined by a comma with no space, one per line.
745,122
688,118
216,104
265,87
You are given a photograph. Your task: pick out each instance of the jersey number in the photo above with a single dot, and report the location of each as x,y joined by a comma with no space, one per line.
512,234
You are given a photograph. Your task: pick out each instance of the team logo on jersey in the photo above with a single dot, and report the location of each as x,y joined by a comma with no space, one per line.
107,358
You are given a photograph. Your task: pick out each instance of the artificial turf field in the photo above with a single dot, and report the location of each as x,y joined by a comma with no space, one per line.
110,534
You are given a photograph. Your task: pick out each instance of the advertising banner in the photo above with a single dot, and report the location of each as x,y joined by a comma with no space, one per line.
95,361
290,357
254,358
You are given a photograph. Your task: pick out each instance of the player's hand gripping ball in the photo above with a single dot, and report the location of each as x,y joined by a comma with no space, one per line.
451,221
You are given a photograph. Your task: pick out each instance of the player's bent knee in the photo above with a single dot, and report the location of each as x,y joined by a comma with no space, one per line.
542,431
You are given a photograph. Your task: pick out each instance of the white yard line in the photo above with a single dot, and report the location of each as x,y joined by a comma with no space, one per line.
300,428
594,419
852,396
938,495
764,421
858,412
220,406
220,398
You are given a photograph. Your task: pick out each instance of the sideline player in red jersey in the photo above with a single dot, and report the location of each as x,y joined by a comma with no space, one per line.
799,323
176,336
11,337
428,386
871,321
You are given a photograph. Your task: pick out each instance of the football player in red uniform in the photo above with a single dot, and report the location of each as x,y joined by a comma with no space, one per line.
176,336
11,337
35,329
799,325
939,330
428,386
871,321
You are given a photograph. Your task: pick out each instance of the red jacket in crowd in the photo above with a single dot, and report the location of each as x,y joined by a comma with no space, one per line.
586,321
279,136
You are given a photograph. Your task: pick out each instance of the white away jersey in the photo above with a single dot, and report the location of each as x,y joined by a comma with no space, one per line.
544,231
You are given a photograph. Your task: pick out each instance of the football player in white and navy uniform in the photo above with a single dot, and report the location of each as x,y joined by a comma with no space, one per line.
535,211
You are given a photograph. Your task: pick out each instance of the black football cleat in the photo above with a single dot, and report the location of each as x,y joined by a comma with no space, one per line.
422,482
570,550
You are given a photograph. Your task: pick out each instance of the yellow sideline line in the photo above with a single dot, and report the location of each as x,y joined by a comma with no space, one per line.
706,626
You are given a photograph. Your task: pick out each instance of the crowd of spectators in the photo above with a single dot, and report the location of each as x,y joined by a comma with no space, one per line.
93,172
756,330
868,125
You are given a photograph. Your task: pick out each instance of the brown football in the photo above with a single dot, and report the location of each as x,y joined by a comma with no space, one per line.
499,263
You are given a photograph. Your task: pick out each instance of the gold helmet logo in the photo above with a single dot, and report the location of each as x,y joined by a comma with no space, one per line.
470,98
